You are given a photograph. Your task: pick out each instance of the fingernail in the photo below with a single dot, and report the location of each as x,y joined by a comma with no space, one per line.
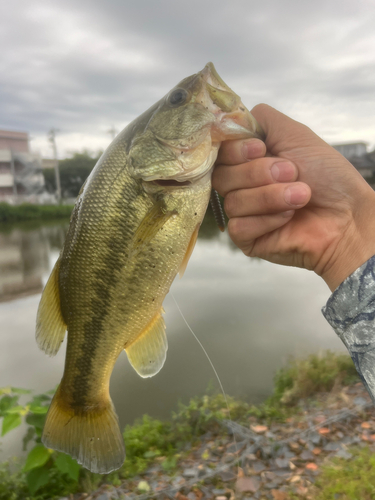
296,194
252,149
283,171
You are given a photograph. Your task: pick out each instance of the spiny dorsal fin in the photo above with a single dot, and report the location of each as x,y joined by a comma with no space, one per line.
153,221
148,352
189,251
50,326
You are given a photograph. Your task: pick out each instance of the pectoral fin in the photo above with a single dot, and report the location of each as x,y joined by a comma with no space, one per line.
50,325
148,228
148,352
189,251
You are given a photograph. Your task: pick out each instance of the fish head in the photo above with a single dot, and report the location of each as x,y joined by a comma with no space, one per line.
181,137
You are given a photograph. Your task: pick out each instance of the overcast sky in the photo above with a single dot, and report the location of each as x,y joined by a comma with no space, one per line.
85,66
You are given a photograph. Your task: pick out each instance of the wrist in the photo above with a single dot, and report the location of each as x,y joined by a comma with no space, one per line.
351,254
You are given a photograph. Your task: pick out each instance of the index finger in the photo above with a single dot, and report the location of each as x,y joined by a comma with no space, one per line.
236,152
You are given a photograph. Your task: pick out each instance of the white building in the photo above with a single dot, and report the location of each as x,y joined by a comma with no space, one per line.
21,177
350,149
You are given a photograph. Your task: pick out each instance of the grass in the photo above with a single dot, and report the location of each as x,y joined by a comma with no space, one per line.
150,440
347,479
316,373
10,214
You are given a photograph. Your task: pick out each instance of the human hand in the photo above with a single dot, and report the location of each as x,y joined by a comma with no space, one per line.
301,205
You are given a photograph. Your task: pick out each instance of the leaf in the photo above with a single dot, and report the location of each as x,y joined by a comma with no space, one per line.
36,421
37,457
28,437
67,465
7,402
10,422
20,391
41,398
324,430
15,410
5,390
311,466
37,478
279,495
39,410
144,486
259,429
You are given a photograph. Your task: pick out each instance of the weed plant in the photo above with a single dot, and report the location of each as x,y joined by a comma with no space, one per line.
48,474
10,214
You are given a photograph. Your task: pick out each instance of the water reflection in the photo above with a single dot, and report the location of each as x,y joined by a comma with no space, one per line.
249,314
25,259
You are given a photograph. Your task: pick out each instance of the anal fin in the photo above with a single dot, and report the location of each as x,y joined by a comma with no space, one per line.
148,352
50,325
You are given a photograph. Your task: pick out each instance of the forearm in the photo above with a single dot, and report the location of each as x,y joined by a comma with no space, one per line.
351,312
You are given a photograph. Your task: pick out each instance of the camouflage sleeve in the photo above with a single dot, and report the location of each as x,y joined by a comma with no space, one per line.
351,312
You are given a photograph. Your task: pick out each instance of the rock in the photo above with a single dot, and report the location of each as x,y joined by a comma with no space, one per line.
104,496
315,438
201,471
267,451
247,484
258,466
227,475
217,492
237,447
359,401
270,435
190,473
332,446
282,463
177,481
306,455
344,454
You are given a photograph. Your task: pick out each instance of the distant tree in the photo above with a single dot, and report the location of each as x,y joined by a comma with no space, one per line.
73,173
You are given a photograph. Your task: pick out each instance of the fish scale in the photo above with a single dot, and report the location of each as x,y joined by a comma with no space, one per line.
134,226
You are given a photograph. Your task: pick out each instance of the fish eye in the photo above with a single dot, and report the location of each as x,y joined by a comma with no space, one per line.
177,97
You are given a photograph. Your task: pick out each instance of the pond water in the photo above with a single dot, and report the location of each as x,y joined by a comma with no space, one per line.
250,316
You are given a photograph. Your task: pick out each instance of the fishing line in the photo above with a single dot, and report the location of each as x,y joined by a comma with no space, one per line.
214,370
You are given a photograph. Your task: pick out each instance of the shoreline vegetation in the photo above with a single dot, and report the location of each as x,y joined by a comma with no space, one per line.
11,214
295,445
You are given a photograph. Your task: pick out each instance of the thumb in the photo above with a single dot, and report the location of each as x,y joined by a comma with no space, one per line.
283,133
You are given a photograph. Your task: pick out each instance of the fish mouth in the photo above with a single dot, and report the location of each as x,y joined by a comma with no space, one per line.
171,183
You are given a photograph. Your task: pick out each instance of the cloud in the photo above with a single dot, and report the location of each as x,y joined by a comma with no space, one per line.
84,66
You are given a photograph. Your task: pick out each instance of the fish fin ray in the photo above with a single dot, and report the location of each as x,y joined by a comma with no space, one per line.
153,221
189,251
92,437
148,352
50,325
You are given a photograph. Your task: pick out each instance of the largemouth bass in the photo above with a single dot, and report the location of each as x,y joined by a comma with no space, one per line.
133,227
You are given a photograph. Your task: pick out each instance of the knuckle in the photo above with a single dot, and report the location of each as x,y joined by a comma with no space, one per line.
231,203
234,230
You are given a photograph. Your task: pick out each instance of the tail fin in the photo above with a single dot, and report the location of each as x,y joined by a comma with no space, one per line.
93,438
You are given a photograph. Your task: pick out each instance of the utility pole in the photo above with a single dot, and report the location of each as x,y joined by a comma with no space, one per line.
52,139
13,170
112,131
